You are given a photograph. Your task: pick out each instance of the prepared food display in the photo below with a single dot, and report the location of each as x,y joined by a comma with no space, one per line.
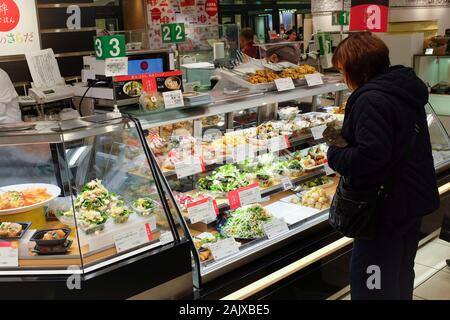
24,198
316,198
10,229
268,76
247,222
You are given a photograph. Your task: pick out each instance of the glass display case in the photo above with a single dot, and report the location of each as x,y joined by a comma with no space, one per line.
72,202
244,191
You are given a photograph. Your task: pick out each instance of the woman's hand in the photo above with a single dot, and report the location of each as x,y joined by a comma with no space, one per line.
334,138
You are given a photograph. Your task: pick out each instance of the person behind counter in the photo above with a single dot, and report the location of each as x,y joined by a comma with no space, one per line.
283,52
9,102
247,43
291,35
384,142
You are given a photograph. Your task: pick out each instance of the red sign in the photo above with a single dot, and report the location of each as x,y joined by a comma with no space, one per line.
371,15
211,8
150,81
243,196
9,15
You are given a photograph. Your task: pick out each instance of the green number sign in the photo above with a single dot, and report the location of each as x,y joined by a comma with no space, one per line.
110,47
340,18
173,33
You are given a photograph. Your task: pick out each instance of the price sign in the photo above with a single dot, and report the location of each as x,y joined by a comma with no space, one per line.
287,183
110,47
189,167
173,99
314,79
173,33
317,132
224,248
279,143
116,67
284,84
166,237
202,210
9,255
244,196
275,227
133,237
328,170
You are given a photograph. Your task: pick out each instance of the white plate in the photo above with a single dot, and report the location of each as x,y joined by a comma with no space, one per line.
53,190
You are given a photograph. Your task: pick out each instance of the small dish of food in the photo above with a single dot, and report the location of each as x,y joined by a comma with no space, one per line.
51,237
145,206
13,230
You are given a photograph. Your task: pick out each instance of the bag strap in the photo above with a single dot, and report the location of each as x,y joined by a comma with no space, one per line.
397,169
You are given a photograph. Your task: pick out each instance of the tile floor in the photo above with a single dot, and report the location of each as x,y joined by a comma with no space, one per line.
432,273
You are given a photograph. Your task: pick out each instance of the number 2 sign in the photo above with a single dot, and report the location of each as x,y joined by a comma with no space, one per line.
110,47
173,33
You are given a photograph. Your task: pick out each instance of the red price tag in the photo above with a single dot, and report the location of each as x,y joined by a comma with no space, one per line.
244,196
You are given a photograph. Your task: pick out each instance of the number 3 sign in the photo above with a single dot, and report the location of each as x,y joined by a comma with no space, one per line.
173,33
110,47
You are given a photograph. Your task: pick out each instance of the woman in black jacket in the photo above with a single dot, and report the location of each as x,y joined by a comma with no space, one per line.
379,140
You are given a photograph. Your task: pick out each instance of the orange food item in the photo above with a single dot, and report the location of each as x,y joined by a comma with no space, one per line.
27,197
54,235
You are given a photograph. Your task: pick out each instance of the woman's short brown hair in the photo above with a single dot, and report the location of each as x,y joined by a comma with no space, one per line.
361,57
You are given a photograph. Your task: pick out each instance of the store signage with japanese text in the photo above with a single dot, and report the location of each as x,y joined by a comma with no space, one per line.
371,15
19,31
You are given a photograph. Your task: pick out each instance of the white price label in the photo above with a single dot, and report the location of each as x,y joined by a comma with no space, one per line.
314,79
284,84
243,152
224,248
115,67
166,237
173,99
278,143
328,170
201,210
287,183
275,227
189,167
9,255
133,237
318,131
250,196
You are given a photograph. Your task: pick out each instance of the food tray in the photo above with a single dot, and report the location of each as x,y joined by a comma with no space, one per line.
38,235
55,250
25,227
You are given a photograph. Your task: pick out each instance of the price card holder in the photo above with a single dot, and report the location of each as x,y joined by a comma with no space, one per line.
284,84
275,227
202,210
189,167
314,79
133,237
287,183
173,99
318,131
328,170
244,196
279,143
9,255
166,237
224,248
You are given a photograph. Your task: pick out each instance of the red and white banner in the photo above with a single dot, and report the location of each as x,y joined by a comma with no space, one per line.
370,15
19,31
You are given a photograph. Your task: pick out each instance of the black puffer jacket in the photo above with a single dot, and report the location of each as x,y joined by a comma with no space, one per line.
378,126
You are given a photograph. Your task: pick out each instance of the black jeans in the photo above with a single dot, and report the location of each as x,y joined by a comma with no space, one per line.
383,268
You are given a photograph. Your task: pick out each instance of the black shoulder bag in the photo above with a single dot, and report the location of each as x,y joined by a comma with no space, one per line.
354,213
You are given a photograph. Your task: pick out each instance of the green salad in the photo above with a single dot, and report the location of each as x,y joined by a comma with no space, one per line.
145,206
316,182
225,179
247,222
295,165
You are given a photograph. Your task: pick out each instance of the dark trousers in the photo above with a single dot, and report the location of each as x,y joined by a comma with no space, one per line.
383,268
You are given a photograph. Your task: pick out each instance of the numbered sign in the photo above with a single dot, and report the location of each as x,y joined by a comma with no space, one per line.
173,33
110,47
